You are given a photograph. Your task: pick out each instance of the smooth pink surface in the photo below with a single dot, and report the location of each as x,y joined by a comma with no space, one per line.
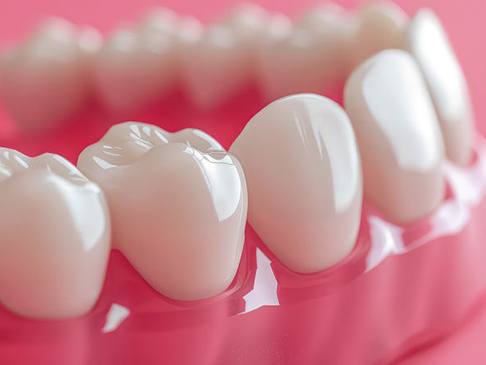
465,24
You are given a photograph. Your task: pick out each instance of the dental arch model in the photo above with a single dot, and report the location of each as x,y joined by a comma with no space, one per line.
310,222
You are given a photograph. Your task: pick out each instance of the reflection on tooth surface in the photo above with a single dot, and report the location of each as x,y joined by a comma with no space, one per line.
178,204
399,136
304,180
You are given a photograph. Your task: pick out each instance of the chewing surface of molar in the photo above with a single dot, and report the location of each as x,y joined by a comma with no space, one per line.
55,230
49,73
399,136
303,173
428,43
380,25
178,203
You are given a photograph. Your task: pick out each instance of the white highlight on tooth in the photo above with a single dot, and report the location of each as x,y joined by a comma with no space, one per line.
429,44
399,136
304,180
178,203
55,233
115,317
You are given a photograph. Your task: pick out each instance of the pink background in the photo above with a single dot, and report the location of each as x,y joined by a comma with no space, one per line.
464,20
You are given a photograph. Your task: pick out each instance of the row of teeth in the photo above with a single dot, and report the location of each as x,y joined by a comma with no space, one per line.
61,64
176,203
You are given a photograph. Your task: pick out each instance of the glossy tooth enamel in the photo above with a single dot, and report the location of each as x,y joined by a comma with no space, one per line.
136,67
303,172
216,64
55,233
48,73
307,57
381,25
178,205
399,136
429,44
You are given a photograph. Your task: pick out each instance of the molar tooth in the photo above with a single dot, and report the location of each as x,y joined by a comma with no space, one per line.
429,44
55,233
135,68
216,65
399,136
178,204
381,25
47,73
303,173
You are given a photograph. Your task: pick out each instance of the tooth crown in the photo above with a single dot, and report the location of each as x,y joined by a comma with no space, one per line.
55,237
428,43
178,205
399,136
304,180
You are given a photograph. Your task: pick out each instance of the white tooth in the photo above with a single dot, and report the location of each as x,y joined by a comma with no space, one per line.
216,65
135,68
398,134
178,204
381,25
336,28
303,173
428,43
248,21
47,73
55,233
160,20
305,58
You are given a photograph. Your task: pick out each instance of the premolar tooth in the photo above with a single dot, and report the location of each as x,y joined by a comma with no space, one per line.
55,233
216,65
381,25
399,137
135,68
178,204
429,44
303,173
47,73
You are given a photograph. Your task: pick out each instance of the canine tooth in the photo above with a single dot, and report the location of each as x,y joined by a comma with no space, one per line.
55,233
303,173
216,65
399,136
178,204
135,68
381,26
47,73
429,44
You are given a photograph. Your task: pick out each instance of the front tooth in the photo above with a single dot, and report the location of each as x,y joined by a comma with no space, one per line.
216,65
428,43
135,68
55,234
178,204
304,180
398,134
47,73
381,26
305,58
248,21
